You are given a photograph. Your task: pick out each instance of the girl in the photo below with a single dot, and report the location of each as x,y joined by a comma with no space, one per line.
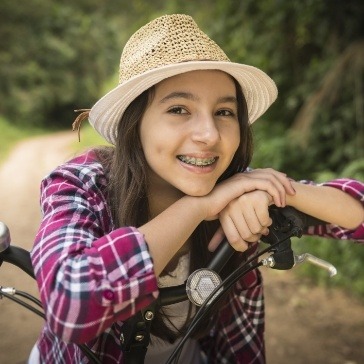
123,221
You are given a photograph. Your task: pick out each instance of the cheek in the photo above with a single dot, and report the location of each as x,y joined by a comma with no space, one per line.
160,140
233,145
234,139
156,149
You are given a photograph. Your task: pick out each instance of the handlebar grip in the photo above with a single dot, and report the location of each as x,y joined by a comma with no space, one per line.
299,218
18,257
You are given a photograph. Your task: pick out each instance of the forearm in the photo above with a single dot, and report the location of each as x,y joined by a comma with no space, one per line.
328,204
167,232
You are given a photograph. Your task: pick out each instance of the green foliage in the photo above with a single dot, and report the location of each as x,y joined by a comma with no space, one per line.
88,138
346,256
50,59
59,56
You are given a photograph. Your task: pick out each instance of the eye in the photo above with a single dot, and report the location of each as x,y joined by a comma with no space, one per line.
177,110
225,112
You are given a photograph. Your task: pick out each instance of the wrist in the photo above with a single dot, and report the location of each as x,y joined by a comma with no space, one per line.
291,199
196,206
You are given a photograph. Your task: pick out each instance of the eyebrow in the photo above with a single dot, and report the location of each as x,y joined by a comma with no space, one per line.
190,96
178,95
231,99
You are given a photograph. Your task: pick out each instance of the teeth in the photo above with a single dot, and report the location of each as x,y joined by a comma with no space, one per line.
197,161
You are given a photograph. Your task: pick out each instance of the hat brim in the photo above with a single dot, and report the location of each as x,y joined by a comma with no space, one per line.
259,91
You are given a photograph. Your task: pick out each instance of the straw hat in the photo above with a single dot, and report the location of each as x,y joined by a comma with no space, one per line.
165,47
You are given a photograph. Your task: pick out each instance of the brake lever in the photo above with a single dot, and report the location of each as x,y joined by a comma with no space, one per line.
289,222
316,261
279,237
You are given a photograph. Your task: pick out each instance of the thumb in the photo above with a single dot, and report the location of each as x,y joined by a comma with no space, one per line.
216,239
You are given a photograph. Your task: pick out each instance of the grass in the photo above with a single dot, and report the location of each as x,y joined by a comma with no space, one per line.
89,137
11,134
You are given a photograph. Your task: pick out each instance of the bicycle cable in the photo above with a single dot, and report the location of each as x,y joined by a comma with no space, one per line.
215,295
22,303
29,297
86,350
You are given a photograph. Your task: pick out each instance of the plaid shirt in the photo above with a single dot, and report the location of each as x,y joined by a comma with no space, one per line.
92,277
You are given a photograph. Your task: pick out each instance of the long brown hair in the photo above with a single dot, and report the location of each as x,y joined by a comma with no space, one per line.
126,167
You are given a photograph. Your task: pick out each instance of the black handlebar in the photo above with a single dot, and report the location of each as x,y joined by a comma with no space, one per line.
18,257
287,222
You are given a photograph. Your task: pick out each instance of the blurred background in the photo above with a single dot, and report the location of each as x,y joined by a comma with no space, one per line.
57,56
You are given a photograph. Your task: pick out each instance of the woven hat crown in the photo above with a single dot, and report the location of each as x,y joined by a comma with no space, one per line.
167,40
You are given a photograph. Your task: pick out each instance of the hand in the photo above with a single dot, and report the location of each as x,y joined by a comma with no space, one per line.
276,184
280,180
245,219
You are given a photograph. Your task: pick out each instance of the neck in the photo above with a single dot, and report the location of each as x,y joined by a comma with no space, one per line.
161,198
161,195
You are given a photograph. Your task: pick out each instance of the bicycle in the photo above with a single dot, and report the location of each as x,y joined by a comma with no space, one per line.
203,287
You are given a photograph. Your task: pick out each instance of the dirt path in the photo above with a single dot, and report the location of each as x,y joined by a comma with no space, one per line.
20,177
305,324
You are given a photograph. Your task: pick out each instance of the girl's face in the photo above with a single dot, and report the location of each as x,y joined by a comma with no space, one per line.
190,132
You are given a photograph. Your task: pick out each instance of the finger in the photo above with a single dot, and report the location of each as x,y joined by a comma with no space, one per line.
253,228
216,239
264,218
235,187
238,232
280,177
273,188
262,213
285,182
264,183
232,234
277,179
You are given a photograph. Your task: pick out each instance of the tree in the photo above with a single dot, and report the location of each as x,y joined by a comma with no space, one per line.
51,61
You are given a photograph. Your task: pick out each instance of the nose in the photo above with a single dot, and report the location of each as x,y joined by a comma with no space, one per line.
205,130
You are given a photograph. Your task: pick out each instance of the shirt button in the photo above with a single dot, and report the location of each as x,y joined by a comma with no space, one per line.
108,295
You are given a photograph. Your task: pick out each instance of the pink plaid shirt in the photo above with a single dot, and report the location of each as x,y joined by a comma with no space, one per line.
92,277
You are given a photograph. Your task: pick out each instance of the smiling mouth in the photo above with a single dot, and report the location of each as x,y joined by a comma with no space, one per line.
200,162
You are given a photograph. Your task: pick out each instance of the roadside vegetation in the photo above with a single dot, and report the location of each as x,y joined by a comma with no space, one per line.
314,50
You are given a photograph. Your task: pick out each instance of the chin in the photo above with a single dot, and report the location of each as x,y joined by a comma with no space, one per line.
197,192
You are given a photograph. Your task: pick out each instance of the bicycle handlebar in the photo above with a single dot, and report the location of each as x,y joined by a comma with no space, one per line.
13,254
18,257
283,220
287,222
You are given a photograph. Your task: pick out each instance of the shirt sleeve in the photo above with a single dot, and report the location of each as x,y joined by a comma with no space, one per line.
355,189
89,275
